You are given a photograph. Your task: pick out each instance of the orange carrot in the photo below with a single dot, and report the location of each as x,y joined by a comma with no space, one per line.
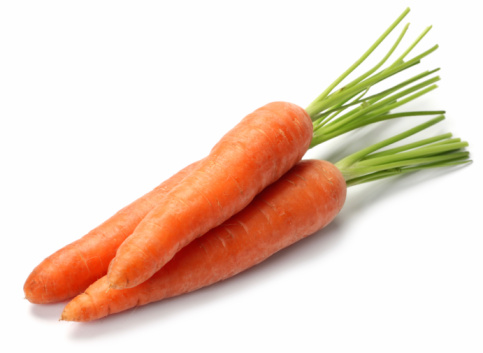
301,202
342,107
254,154
70,270
304,200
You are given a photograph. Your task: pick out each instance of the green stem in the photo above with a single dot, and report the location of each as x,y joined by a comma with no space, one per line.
356,171
384,105
342,108
355,157
364,117
380,63
421,36
399,171
319,106
370,164
338,110
382,117
410,146
371,120
334,84
415,153
371,99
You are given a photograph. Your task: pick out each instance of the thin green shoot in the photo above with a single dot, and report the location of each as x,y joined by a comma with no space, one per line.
371,164
346,73
319,123
385,104
355,157
399,171
340,109
409,155
410,146
356,119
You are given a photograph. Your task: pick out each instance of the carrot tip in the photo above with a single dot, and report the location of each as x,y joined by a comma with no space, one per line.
65,317
113,285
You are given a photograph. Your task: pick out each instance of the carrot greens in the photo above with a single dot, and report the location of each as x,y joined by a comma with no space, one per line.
439,151
338,110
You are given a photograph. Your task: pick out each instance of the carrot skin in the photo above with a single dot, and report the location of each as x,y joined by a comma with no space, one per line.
70,270
300,203
251,156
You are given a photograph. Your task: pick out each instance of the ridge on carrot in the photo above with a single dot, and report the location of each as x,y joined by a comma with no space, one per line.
257,152
339,109
303,201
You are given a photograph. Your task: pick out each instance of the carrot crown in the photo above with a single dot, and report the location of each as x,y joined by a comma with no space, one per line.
371,163
338,110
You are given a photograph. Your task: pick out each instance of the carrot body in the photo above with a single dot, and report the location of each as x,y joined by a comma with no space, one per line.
70,270
303,201
254,154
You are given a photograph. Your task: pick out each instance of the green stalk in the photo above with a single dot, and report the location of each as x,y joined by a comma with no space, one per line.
385,104
410,146
399,171
324,134
348,161
421,36
342,108
384,59
370,164
382,117
319,106
359,170
415,153
376,118
371,99
334,84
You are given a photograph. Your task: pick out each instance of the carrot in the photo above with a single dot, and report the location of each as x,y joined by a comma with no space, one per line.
300,203
70,270
337,110
254,154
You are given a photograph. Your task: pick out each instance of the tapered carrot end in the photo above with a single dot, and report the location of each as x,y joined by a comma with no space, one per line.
117,283
83,308
34,289
41,288
117,279
130,268
77,309
28,295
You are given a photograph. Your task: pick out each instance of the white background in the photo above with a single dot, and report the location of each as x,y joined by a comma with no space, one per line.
102,100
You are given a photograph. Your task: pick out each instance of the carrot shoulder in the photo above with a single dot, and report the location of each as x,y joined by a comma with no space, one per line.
70,270
254,154
303,201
